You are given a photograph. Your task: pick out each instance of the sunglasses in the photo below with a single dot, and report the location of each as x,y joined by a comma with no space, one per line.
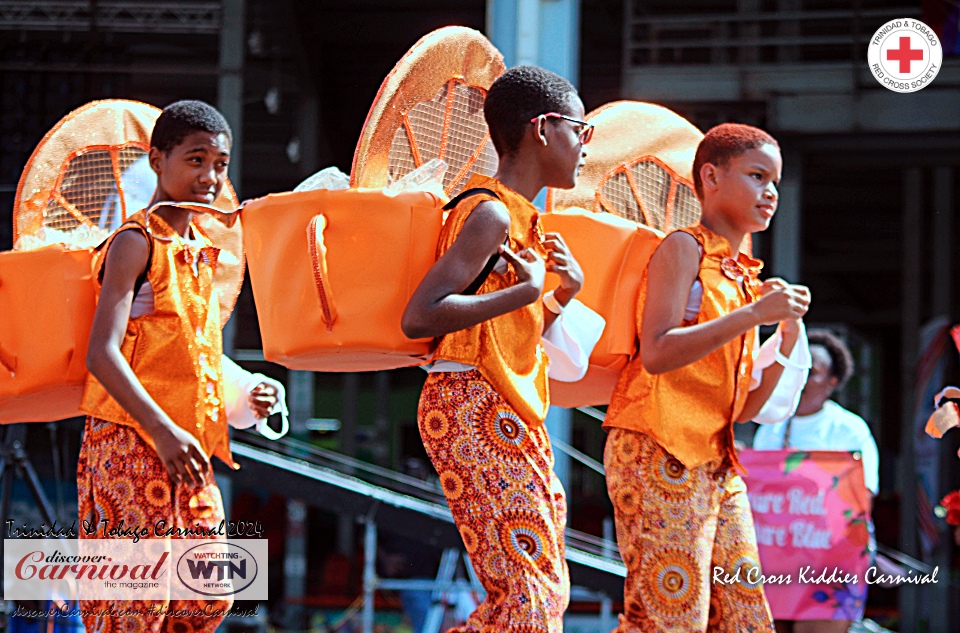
586,129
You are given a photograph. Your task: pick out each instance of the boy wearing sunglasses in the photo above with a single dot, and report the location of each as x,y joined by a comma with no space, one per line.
485,400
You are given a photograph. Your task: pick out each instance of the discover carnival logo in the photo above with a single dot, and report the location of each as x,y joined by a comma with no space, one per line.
125,569
905,55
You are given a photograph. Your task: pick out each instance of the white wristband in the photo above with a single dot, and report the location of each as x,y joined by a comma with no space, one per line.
550,303
786,362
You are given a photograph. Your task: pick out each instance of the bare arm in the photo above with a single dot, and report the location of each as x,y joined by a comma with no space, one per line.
561,262
665,345
437,307
126,260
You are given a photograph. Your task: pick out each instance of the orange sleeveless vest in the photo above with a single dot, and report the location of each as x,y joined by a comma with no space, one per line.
690,411
176,351
506,349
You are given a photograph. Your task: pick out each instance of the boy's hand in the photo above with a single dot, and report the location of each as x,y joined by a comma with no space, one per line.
530,269
780,301
561,262
262,399
181,455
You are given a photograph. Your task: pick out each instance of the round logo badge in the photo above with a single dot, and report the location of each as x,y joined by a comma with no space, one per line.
905,55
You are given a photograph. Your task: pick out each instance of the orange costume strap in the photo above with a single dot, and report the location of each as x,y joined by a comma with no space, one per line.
176,350
690,410
505,349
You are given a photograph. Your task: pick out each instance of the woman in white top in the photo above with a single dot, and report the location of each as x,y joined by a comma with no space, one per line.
821,424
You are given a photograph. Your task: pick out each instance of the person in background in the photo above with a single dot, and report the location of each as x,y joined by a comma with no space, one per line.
822,424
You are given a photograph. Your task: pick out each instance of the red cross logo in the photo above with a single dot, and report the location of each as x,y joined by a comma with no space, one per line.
905,54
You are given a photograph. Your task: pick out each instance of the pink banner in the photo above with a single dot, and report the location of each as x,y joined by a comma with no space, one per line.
810,510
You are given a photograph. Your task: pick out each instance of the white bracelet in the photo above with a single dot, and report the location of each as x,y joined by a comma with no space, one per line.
550,303
786,362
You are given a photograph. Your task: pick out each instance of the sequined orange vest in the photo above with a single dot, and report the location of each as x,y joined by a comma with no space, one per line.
176,351
690,411
506,349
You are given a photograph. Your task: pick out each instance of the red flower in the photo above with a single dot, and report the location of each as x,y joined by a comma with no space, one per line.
951,503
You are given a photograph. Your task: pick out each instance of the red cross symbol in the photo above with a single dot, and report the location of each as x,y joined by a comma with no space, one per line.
905,54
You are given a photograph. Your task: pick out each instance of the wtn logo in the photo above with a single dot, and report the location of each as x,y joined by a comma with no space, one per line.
218,568
224,568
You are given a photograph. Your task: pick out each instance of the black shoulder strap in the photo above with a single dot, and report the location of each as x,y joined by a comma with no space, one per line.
142,277
492,262
463,195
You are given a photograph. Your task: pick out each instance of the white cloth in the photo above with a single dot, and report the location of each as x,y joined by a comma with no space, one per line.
568,342
237,385
833,428
143,301
694,300
785,397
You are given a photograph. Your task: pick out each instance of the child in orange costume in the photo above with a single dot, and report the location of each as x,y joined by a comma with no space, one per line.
483,406
683,521
155,400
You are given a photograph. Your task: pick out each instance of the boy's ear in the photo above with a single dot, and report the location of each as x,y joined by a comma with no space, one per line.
540,130
708,176
154,156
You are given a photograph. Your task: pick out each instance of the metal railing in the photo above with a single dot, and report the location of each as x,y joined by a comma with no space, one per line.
752,37
111,15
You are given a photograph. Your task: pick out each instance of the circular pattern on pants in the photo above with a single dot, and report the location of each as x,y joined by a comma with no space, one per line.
627,446
452,485
747,569
469,538
465,452
673,472
716,611
434,424
664,475
104,512
134,516
157,492
501,431
509,428
628,498
121,490
525,537
748,589
671,582
179,625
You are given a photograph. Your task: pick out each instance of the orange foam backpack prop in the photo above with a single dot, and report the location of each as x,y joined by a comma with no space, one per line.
332,270
634,187
87,174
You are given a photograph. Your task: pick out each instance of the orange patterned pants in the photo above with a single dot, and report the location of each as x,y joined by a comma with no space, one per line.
687,539
120,478
497,475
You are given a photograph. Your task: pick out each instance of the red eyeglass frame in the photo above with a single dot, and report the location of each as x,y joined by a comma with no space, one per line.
585,134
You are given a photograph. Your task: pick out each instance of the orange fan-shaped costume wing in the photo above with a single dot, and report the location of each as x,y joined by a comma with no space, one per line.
431,106
91,170
638,167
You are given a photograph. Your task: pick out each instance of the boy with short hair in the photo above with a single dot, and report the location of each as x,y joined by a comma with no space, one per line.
681,508
154,398
483,405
